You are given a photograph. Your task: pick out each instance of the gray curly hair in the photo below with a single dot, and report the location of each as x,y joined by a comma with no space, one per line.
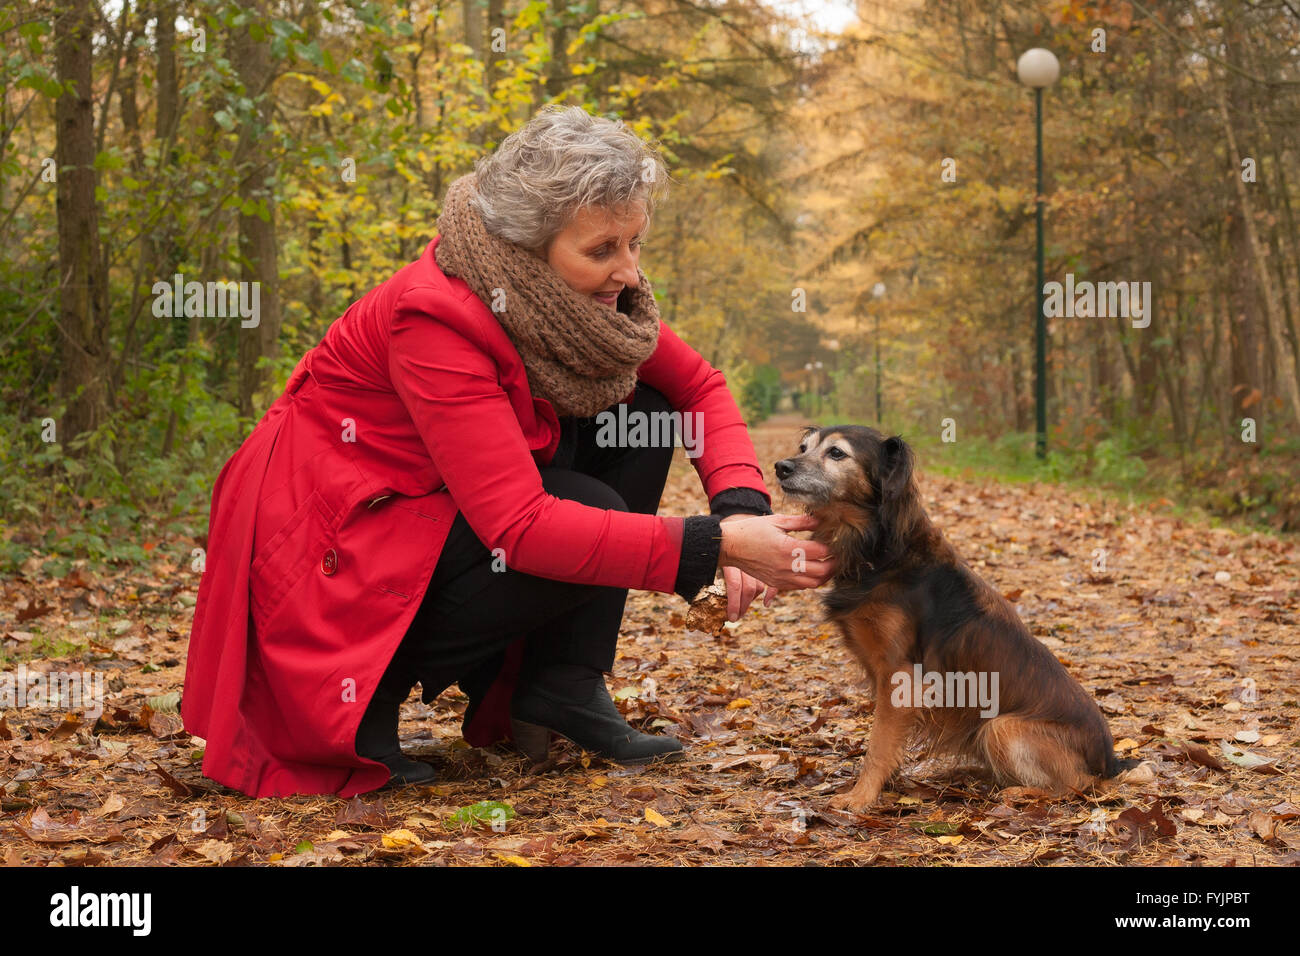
539,177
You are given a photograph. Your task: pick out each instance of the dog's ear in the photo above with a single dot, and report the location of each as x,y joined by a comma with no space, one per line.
898,510
896,462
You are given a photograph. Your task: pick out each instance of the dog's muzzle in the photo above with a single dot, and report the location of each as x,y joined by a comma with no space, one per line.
800,482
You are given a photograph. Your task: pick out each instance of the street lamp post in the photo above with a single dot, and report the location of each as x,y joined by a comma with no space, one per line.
877,293
1039,68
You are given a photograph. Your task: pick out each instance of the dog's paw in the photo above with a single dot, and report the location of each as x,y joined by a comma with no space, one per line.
850,802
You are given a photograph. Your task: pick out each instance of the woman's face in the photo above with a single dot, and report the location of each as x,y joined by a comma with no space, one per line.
597,253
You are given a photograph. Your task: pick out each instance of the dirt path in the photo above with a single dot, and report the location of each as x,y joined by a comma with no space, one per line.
1185,635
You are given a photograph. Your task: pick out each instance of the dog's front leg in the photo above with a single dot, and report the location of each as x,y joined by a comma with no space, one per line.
884,753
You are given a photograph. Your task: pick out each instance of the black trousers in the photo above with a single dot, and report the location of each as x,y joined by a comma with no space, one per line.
471,613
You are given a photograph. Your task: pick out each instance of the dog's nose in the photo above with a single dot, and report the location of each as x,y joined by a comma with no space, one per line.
783,469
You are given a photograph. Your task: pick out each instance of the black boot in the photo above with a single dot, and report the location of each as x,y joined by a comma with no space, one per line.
573,701
377,740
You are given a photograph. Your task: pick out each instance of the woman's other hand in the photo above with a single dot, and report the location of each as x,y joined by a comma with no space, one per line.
756,554
741,591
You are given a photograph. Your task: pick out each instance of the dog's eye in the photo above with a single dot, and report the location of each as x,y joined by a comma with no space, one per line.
837,453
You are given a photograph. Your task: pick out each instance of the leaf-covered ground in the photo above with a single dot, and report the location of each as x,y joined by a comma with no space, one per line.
1186,635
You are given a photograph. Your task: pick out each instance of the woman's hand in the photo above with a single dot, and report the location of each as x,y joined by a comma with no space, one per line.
742,589
756,554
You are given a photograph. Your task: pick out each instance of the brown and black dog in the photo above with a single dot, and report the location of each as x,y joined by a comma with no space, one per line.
947,654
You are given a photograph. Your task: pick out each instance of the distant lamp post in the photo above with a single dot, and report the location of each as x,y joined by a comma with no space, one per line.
878,293
1039,68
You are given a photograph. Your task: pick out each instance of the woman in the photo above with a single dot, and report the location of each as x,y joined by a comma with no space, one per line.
432,500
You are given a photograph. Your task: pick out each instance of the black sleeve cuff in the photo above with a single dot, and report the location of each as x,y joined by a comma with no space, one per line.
740,501
701,539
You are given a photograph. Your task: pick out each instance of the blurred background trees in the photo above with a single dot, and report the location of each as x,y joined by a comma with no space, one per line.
306,146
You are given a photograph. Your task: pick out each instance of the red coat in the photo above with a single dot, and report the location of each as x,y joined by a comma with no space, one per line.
327,522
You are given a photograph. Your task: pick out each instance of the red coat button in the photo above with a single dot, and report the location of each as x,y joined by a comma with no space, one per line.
330,562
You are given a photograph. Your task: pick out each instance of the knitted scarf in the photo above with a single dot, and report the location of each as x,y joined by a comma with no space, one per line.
579,354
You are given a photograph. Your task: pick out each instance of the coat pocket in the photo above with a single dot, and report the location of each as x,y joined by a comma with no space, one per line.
288,555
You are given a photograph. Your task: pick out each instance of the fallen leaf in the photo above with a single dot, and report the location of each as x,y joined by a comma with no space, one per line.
38,825
358,812
400,839
710,837
708,614
1244,758
762,761
171,783
35,608
113,804
1263,824
165,703
67,728
215,851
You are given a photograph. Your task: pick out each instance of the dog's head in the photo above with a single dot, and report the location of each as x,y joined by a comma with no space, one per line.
861,485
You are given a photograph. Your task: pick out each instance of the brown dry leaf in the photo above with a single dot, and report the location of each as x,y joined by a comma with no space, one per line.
35,608
1137,826
67,728
358,812
215,851
77,578
1264,825
1198,816
710,837
1141,775
171,783
38,825
142,720
350,842
1199,754
86,857
316,856
165,726
708,614
113,804
762,761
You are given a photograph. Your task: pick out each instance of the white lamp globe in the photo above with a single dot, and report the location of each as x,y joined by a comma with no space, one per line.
1038,67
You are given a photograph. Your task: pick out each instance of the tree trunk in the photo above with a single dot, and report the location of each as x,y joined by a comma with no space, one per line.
1248,250
257,245
83,278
